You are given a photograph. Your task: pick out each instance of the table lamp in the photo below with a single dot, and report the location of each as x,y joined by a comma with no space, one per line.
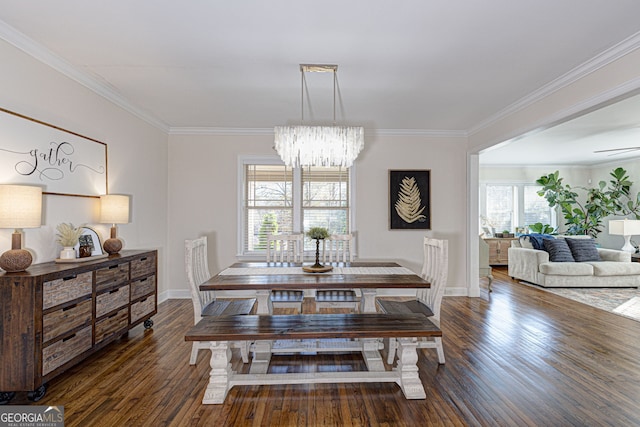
114,209
20,207
627,228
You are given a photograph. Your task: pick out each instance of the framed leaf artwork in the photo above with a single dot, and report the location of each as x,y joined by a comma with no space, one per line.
410,199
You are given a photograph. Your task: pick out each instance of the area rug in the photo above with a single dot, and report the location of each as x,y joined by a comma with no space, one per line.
622,301
630,308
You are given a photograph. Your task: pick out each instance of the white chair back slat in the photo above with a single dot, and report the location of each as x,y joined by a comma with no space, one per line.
285,247
197,269
338,248
435,269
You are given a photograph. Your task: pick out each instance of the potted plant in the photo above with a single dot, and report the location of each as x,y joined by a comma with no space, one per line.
317,233
68,236
587,216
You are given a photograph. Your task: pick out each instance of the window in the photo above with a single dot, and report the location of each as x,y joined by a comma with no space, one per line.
279,199
512,206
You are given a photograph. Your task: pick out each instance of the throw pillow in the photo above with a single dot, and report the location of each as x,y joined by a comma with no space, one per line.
537,238
558,250
583,249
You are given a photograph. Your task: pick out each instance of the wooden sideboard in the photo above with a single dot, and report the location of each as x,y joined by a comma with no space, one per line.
499,249
53,316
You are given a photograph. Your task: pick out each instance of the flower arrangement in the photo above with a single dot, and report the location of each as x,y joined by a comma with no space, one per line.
68,234
318,233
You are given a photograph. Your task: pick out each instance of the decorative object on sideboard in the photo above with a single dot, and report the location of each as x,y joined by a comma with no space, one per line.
20,207
627,228
68,236
307,145
114,209
317,233
90,240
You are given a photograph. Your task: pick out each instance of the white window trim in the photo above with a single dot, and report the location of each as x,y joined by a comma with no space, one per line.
297,201
518,204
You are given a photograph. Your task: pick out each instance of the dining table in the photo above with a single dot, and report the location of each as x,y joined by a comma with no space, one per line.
264,277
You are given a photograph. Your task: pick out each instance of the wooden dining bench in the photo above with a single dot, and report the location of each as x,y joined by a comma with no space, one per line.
367,327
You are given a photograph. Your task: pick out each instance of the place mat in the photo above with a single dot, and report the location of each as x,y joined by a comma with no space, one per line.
251,271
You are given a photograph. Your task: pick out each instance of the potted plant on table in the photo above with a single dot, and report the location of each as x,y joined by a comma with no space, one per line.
317,233
68,236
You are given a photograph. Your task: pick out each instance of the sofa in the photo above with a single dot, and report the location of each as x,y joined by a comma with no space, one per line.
614,268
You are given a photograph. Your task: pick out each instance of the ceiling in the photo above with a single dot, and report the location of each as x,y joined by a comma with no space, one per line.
404,66
576,141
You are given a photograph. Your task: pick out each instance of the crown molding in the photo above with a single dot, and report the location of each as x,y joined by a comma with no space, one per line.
269,131
420,132
46,56
599,61
219,131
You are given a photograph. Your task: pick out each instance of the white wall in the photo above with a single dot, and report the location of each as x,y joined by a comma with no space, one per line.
137,156
203,198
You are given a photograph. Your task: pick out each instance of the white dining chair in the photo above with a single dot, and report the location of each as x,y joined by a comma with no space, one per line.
205,302
435,270
286,248
337,248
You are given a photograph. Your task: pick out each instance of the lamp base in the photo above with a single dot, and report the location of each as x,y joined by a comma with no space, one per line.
628,247
15,260
112,246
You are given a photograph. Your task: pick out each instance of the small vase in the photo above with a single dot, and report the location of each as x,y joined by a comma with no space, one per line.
68,252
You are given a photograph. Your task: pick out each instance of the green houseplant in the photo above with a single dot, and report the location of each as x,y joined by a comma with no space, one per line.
586,216
317,233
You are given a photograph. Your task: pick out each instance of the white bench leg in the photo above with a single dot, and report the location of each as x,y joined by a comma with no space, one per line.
371,355
368,301
265,306
391,350
409,380
219,376
261,357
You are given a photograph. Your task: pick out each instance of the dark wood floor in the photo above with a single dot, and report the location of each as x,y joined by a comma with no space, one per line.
525,357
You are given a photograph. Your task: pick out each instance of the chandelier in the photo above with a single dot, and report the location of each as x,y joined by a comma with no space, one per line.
306,145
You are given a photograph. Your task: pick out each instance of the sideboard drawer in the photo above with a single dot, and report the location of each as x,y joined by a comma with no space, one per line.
64,320
113,324
143,287
60,352
142,308
66,289
111,276
112,300
143,266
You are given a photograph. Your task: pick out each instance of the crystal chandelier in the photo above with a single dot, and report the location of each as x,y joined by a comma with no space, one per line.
319,145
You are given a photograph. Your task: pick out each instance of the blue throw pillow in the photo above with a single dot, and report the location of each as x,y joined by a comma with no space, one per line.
537,238
583,249
558,250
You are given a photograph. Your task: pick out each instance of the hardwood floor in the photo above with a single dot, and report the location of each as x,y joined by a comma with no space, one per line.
525,357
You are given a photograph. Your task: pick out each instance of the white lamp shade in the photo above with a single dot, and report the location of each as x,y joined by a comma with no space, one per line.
624,227
114,209
20,206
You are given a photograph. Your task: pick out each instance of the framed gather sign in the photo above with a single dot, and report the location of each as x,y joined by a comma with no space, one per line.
410,199
62,162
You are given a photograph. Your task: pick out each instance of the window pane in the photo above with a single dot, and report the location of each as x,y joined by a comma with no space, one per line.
321,200
536,208
500,204
325,200
268,203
